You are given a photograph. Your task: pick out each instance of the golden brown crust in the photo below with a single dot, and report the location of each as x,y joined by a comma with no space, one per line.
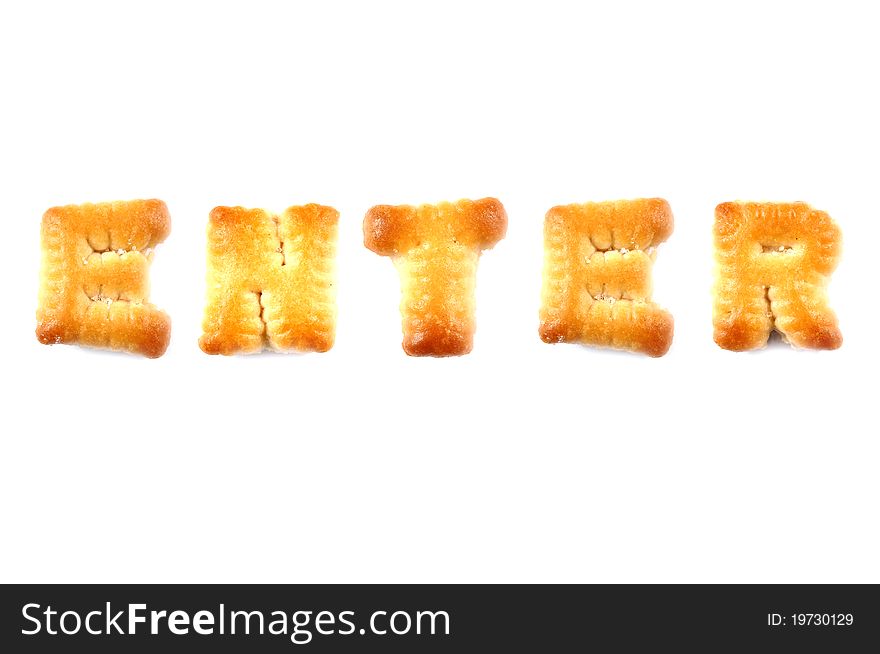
597,275
94,280
773,263
270,280
436,249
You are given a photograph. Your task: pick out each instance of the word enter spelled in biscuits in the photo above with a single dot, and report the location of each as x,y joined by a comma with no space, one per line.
271,277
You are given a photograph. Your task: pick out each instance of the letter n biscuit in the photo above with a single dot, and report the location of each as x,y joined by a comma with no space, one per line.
270,280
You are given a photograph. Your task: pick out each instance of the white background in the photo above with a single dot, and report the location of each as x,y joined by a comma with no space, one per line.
521,461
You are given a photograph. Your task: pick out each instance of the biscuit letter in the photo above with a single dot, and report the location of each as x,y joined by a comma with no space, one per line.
773,262
597,275
270,280
436,249
94,280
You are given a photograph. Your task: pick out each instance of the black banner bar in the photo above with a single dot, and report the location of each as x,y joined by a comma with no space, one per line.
438,618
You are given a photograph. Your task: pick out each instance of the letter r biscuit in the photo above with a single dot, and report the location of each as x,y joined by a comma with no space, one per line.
773,263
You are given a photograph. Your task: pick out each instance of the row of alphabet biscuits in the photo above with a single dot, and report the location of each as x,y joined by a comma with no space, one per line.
271,276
